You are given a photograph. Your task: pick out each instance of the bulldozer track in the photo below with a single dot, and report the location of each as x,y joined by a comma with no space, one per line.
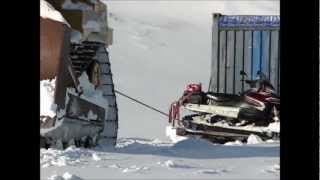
82,55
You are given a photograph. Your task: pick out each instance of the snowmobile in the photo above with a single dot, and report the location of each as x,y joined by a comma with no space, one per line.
74,36
222,117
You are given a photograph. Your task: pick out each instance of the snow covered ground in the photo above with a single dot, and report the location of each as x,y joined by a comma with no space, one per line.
159,47
145,159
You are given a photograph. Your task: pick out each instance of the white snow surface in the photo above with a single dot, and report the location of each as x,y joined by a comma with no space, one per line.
146,159
254,139
47,11
171,133
90,93
159,47
65,176
47,106
275,127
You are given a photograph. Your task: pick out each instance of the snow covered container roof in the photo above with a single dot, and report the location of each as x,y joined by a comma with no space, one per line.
244,42
249,22
47,11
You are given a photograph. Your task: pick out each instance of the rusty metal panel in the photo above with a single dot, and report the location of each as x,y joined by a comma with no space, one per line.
64,78
245,42
52,45
74,18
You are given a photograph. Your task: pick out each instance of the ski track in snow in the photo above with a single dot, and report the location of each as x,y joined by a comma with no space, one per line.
159,47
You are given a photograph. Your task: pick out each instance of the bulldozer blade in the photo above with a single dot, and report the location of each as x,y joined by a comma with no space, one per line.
81,118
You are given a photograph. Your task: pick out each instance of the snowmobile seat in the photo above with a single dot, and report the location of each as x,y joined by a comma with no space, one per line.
223,97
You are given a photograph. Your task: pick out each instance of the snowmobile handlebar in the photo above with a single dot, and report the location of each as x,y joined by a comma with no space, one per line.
252,83
262,79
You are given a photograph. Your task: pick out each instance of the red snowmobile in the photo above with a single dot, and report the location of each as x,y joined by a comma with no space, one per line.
222,117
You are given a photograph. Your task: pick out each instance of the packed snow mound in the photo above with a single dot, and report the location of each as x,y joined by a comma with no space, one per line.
95,157
47,106
193,144
140,146
48,12
134,168
274,127
68,176
254,139
55,177
70,156
173,164
86,86
234,143
65,176
171,133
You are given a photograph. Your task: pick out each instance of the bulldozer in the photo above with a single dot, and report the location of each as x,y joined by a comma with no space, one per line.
74,63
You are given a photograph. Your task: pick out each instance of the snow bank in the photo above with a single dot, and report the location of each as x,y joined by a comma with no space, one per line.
70,156
254,139
47,106
48,12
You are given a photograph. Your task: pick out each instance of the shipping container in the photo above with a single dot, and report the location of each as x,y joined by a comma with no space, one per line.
244,42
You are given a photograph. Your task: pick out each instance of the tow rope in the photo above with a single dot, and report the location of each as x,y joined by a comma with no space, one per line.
139,102
174,111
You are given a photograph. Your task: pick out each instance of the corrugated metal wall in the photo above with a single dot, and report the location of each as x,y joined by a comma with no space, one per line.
248,43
